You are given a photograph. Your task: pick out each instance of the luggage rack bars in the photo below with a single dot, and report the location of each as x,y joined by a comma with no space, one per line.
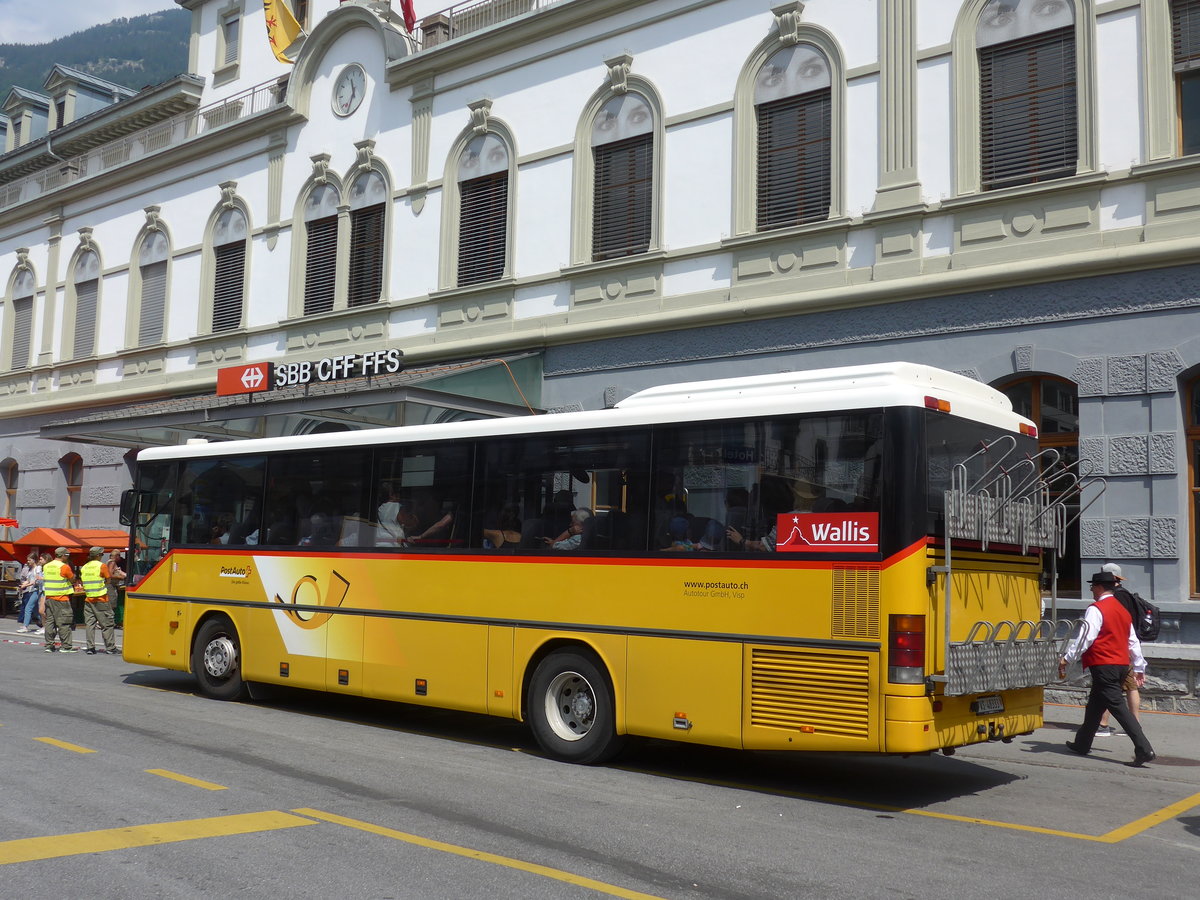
1020,500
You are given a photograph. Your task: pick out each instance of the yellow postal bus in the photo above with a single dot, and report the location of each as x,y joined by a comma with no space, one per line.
834,560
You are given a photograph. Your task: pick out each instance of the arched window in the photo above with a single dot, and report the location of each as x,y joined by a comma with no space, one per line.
86,281
368,204
152,270
1192,421
622,142
1053,405
1028,120
321,233
793,110
229,272
10,472
72,469
483,210
22,313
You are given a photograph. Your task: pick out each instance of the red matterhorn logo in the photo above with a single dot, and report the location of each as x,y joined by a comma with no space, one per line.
827,532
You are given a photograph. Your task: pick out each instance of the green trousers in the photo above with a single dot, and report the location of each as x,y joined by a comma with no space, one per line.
99,612
60,622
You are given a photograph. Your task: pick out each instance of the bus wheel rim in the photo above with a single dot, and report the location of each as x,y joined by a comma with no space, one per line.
570,706
220,657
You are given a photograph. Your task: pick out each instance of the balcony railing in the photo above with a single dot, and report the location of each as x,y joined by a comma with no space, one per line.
475,15
146,142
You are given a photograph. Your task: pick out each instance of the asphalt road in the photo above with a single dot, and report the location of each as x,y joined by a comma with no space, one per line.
119,782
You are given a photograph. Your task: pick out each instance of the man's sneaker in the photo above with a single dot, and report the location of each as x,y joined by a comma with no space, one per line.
40,631
113,651
1075,748
50,649
21,629
70,649
90,651
1105,731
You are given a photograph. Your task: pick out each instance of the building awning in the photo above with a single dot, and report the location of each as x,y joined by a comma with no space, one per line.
483,388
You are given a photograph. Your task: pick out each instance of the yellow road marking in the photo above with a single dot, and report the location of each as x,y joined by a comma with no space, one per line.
64,745
533,868
1137,826
61,845
186,779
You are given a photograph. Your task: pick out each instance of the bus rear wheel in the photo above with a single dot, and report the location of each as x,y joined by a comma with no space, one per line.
217,660
571,709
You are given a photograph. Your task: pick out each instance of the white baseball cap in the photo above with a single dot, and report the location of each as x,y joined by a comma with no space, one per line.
1114,568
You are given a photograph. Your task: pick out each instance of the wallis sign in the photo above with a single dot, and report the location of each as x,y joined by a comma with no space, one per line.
254,378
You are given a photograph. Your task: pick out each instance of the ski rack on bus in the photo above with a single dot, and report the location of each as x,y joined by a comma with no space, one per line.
1021,501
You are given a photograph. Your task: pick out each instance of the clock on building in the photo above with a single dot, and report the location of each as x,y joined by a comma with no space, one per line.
349,89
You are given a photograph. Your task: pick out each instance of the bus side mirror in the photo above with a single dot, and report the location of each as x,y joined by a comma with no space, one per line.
128,507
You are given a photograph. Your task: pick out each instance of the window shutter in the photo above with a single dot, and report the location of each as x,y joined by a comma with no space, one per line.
228,286
320,265
1185,33
622,205
86,293
154,303
1028,128
22,331
793,160
482,228
233,30
366,255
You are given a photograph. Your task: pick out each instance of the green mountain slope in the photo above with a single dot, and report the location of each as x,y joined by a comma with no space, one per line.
134,52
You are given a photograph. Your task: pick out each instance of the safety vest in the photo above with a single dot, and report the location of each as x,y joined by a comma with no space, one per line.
94,586
54,581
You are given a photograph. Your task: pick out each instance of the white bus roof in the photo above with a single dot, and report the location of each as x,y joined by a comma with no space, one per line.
817,390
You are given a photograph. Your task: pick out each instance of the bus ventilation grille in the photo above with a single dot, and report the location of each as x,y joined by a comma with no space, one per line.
827,692
855,611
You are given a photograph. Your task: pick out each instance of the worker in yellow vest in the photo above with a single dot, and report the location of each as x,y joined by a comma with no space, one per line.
57,578
96,607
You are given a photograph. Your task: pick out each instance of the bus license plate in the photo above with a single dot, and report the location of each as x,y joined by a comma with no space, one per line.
985,706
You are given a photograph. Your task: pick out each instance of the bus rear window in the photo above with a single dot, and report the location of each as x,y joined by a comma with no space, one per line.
951,441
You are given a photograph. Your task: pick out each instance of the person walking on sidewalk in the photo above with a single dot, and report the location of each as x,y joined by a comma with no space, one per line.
29,588
96,607
57,578
1136,677
1106,647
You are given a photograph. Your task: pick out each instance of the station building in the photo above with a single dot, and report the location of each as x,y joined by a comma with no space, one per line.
535,205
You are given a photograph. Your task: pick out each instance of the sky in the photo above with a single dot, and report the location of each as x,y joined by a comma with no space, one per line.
25,22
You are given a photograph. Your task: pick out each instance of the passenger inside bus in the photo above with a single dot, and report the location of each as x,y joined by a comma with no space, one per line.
806,497
578,533
506,531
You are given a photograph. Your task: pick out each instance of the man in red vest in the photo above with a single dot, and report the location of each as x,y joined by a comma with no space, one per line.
1107,647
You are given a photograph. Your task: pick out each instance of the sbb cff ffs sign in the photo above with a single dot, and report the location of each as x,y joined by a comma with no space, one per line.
256,377
249,379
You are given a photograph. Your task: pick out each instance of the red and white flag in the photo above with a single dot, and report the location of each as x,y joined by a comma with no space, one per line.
410,15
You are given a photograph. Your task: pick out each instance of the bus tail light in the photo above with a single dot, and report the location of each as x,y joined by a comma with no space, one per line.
906,649
1030,430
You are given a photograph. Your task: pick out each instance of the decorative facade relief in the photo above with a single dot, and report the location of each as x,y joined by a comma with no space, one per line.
1162,370
97,455
1128,454
1023,358
618,72
1093,538
1127,374
1162,453
481,111
615,287
973,374
1163,537
1129,538
475,311
1091,456
787,20
1088,376
35,498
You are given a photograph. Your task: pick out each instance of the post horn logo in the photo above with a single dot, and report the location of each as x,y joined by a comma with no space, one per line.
304,607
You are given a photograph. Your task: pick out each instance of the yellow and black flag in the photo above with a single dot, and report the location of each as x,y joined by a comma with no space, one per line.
282,27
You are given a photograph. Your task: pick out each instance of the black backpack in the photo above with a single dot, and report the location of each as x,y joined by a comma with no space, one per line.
1146,618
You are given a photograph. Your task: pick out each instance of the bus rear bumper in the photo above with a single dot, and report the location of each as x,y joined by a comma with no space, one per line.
913,726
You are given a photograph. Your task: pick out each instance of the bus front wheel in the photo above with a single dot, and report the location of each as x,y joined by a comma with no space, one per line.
217,660
571,709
